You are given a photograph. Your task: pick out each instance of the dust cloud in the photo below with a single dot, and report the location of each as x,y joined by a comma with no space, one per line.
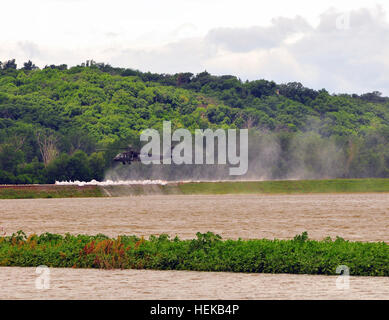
271,156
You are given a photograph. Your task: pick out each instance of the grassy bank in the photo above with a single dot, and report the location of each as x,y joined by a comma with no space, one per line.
208,252
287,186
49,191
225,187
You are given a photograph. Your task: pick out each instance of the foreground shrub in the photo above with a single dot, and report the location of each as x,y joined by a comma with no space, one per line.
208,252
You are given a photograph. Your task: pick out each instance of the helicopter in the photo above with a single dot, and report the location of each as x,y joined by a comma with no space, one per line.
130,155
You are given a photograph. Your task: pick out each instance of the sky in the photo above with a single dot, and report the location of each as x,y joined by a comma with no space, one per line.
341,45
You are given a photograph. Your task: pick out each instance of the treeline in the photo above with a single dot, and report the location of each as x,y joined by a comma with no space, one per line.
61,123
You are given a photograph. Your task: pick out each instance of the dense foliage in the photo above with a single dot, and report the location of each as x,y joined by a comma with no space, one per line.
54,121
205,253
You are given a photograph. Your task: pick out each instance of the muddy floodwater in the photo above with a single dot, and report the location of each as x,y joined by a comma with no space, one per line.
20,283
363,217
358,217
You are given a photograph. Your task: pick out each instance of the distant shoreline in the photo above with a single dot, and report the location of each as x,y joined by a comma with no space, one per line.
194,187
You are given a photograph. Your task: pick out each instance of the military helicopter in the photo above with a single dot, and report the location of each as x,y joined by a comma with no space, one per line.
130,155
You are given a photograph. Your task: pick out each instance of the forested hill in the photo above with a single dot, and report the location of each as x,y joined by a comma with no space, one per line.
54,121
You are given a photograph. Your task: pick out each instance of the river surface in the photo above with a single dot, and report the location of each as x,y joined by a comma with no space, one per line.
20,283
357,217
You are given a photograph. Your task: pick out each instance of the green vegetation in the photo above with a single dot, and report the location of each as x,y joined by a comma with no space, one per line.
208,252
289,186
53,122
50,192
224,187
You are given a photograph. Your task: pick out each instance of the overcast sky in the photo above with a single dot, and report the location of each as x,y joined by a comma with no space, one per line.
341,45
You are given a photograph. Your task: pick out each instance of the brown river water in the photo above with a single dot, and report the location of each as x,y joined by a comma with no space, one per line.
357,217
19,283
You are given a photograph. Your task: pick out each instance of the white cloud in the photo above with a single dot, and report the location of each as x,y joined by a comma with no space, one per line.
279,41
246,39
